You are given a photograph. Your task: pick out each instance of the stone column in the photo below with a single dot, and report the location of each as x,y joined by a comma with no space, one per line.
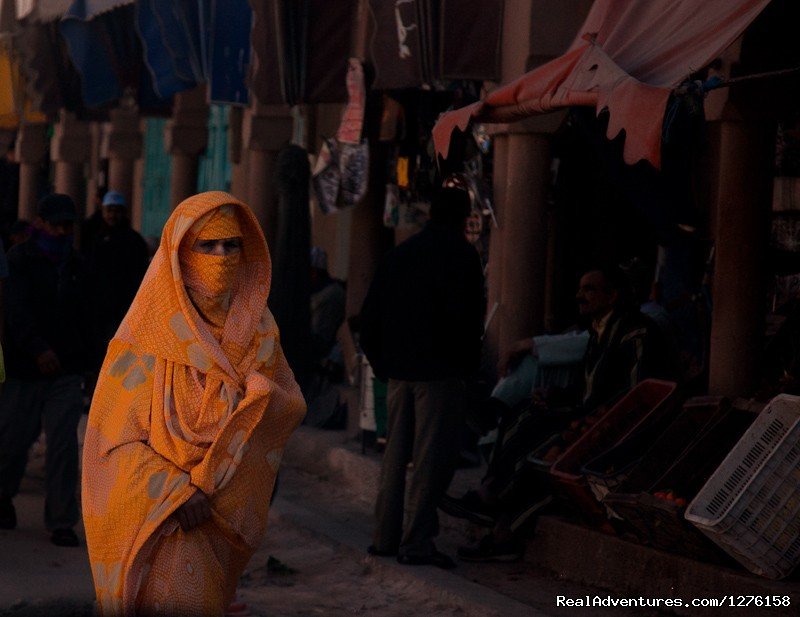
121,144
368,242
70,149
743,198
31,148
265,130
94,167
524,237
186,138
235,154
495,266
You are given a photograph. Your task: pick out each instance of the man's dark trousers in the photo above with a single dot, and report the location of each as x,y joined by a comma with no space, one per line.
424,420
26,405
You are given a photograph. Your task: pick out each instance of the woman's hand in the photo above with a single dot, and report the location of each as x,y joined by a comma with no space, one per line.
194,512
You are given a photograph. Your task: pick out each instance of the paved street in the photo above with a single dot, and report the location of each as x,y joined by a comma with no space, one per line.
312,562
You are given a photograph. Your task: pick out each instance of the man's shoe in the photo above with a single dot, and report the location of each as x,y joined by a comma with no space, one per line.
8,515
488,549
440,560
372,550
64,537
470,507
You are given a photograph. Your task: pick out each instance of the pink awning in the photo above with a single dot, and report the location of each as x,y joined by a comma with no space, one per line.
627,57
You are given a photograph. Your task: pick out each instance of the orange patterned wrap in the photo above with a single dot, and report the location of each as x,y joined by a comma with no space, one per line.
182,405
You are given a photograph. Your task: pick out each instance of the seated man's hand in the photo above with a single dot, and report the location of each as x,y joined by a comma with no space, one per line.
194,512
514,355
48,363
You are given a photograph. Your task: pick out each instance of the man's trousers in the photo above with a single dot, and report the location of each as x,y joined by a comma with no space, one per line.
27,405
424,423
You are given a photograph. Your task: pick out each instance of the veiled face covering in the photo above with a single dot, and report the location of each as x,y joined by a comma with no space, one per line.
211,279
211,276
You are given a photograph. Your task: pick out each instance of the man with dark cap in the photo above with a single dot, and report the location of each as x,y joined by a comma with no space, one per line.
45,312
421,327
117,259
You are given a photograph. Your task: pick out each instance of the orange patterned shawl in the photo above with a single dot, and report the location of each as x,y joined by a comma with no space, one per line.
177,408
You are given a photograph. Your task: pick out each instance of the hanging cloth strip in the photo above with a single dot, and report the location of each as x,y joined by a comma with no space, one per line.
627,58
170,37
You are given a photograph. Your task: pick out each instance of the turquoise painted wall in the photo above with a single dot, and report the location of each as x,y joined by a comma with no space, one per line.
155,180
215,167
214,173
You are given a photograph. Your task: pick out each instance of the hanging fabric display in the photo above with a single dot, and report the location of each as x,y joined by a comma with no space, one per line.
341,175
107,52
293,44
326,177
395,48
173,63
93,49
353,172
353,118
231,24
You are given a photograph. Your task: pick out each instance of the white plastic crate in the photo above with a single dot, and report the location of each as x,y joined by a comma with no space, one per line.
751,505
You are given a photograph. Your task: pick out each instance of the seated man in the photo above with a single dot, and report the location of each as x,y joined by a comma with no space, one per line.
624,347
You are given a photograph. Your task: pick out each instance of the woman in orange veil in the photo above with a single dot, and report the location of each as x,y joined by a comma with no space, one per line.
192,409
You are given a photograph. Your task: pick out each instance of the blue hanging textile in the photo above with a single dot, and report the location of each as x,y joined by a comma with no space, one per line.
91,49
229,57
103,45
174,38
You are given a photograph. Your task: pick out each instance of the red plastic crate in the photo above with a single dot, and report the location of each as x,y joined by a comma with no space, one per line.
649,401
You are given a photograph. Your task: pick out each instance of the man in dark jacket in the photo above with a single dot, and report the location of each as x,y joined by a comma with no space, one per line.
45,309
117,259
421,327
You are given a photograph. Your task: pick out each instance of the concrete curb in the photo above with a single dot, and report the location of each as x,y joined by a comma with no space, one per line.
573,552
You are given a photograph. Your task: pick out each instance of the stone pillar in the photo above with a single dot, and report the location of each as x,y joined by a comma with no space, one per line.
368,242
743,197
186,138
236,154
70,149
136,210
31,148
495,266
122,144
94,168
524,253
265,130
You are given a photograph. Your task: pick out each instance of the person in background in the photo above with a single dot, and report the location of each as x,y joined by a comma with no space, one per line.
117,259
421,327
46,354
